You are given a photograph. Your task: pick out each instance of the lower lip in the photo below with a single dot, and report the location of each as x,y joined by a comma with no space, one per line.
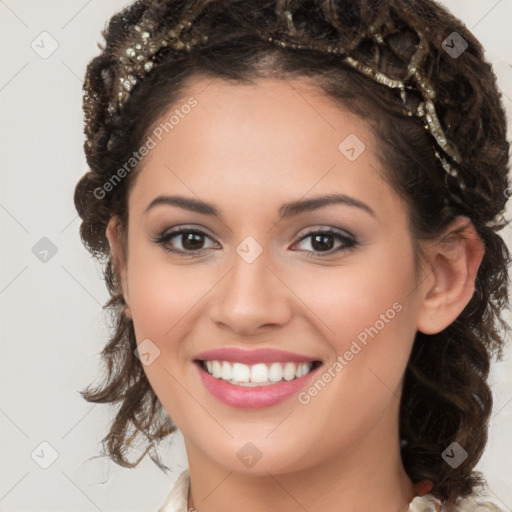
244,397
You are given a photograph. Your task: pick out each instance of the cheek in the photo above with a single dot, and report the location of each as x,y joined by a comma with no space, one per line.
369,294
162,291
162,298
366,313
163,302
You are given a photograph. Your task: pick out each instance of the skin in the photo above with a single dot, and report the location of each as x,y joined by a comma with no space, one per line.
248,149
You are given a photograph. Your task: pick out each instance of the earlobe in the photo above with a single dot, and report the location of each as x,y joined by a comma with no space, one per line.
454,261
118,257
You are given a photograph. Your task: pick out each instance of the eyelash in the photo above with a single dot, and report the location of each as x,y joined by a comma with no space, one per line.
350,242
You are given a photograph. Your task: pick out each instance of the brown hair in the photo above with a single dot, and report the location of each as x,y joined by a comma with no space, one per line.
446,396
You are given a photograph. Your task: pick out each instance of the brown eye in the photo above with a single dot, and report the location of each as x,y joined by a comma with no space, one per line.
324,241
191,240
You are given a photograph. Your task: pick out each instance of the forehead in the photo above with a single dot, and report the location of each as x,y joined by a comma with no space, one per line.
271,140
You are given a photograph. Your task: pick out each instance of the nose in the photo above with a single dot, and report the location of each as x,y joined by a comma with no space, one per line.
251,298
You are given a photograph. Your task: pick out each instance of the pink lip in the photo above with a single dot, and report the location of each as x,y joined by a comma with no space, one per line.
253,397
254,356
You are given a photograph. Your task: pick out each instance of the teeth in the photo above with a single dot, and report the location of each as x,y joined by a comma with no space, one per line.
240,373
289,371
260,374
216,369
275,373
226,371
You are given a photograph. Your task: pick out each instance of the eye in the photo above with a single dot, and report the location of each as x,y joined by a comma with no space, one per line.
323,241
191,241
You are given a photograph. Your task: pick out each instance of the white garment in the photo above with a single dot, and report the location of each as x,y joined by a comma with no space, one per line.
177,500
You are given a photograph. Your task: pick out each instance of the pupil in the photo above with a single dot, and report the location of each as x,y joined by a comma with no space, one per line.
190,238
322,245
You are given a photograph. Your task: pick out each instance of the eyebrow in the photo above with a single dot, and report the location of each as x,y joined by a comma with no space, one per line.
286,210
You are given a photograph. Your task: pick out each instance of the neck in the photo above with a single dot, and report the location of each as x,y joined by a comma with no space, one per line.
363,476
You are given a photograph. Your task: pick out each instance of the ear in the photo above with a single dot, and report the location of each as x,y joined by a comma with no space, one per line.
119,258
453,259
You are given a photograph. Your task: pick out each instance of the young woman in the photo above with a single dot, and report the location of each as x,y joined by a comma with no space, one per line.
298,204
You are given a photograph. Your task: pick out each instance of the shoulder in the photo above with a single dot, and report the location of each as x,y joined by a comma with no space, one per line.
472,503
477,503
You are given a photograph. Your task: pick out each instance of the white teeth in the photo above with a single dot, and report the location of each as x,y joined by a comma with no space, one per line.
275,373
226,371
240,373
216,369
260,374
289,371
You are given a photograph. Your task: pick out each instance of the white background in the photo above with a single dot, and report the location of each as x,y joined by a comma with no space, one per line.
52,323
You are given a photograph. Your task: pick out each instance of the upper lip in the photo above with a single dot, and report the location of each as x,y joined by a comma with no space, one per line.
264,355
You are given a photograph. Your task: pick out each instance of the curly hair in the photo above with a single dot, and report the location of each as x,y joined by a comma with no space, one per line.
446,397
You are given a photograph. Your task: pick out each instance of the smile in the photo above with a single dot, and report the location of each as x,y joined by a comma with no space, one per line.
252,379
260,374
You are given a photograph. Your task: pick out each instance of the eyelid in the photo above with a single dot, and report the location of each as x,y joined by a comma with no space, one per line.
324,228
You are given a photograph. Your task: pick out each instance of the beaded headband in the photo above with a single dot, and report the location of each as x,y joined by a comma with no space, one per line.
138,60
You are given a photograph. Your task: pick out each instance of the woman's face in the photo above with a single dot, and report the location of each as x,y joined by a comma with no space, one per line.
263,276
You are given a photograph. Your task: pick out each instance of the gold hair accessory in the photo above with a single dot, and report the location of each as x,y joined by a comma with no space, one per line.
137,61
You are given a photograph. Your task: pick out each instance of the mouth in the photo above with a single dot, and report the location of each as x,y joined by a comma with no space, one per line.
256,378
259,374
